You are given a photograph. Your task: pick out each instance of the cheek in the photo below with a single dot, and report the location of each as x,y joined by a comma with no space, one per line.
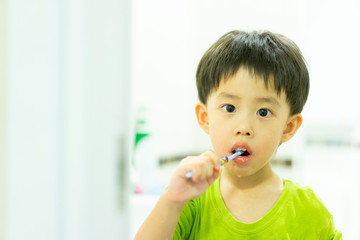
220,147
219,140
270,140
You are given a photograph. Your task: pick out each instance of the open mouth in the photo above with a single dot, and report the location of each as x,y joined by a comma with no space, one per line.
245,152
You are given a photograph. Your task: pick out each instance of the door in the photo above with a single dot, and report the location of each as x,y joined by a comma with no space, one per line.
67,120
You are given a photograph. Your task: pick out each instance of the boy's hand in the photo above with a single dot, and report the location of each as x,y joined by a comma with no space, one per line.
205,169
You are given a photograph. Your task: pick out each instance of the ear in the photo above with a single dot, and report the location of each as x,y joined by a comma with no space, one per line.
293,124
202,116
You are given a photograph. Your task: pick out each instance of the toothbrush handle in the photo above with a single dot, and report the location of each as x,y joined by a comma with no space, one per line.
223,160
189,174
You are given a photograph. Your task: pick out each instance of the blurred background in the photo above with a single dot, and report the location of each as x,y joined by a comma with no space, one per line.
97,107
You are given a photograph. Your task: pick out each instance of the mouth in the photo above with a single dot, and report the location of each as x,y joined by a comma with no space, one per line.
245,152
244,157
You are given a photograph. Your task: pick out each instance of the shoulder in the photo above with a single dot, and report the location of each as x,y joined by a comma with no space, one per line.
307,207
303,195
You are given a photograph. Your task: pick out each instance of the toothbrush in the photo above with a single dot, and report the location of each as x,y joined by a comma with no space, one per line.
223,160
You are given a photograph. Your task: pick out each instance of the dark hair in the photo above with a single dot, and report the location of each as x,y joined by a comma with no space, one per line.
264,54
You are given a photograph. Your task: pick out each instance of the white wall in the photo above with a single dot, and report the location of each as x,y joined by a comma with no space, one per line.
330,43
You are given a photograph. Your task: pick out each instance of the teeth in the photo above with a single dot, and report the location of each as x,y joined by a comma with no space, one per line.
240,150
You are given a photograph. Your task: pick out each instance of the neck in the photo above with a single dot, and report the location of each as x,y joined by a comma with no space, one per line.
261,178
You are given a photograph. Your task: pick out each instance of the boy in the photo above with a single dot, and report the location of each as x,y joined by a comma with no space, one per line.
252,88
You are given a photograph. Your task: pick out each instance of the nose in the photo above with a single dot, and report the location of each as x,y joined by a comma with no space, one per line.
244,128
245,132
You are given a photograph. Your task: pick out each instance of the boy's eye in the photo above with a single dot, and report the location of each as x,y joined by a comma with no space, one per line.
228,108
263,112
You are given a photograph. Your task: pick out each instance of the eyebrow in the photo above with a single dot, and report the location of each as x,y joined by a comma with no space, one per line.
228,95
270,100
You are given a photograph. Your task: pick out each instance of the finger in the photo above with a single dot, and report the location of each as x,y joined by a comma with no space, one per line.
204,169
201,167
215,175
210,154
186,167
215,160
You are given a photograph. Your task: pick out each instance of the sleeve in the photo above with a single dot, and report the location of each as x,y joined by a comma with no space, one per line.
185,223
338,235
335,234
329,231
323,218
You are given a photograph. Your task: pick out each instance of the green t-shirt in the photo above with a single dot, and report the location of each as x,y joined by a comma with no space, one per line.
298,214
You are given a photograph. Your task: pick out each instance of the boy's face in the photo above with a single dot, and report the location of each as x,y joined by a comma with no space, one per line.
242,113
